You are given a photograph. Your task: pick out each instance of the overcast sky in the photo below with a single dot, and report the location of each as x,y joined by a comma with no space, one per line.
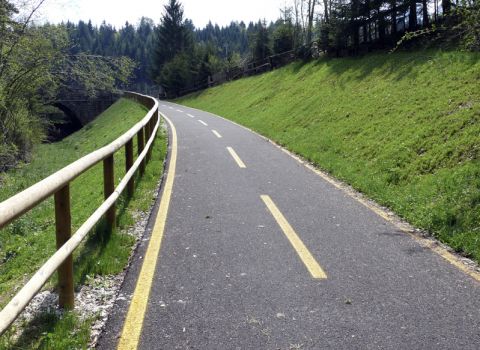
116,12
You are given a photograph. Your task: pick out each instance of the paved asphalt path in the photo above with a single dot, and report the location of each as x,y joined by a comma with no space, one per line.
229,278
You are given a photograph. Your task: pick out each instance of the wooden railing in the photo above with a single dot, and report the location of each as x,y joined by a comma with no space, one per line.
252,68
58,185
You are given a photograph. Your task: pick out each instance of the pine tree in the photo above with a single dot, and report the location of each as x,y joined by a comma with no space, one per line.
261,45
173,37
283,38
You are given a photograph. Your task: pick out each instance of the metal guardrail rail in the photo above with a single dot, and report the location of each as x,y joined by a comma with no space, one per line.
58,185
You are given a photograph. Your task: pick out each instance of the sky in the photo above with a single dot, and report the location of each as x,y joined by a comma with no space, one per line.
117,12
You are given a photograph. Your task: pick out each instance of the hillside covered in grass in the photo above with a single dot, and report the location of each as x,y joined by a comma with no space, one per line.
29,241
403,128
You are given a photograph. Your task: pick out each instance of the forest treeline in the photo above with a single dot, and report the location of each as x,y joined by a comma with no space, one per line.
184,57
39,62
177,56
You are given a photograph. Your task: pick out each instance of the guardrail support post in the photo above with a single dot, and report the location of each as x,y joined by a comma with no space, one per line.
63,223
108,188
128,165
148,130
153,122
151,128
141,146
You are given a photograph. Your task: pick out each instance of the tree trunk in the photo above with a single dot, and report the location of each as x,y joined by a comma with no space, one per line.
412,16
326,11
311,11
394,19
446,7
354,24
368,32
381,27
425,13
296,34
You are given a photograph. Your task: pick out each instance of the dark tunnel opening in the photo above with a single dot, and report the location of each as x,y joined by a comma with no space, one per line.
65,123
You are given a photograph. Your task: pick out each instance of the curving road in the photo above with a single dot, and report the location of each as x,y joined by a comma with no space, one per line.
259,252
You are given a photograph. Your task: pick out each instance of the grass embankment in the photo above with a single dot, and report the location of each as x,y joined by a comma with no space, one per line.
403,128
29,241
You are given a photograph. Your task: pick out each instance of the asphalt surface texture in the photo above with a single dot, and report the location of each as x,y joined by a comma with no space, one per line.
227,276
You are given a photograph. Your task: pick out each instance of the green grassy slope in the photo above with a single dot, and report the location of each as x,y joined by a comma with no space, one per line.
403,128
29,241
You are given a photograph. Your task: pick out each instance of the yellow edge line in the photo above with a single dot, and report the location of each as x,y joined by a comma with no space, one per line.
236,157
133,323
312,265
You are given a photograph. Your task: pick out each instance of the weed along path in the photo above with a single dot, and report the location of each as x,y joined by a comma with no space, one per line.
259,252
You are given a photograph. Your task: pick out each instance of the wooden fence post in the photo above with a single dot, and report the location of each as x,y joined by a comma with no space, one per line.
63,224
150,133
148,130
128,165
108,188
153,122
141,146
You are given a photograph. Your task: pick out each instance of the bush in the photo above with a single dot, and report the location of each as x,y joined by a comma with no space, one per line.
19,132
470,26
176,74
283,39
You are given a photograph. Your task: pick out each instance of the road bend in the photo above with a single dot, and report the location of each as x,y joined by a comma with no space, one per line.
259,252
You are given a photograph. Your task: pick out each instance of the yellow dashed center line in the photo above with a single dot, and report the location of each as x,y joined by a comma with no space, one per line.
216,133
424,242
236,157
133,323
307,258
